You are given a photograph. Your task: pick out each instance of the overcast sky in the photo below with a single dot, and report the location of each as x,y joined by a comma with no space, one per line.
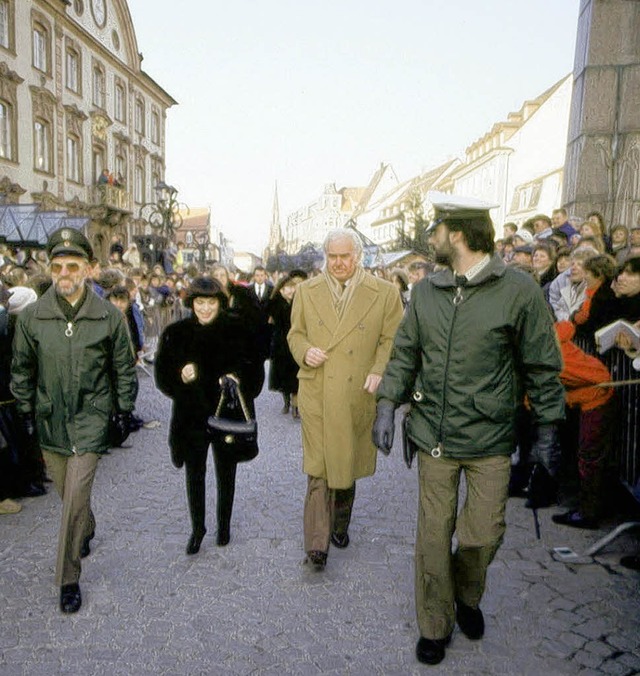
306,93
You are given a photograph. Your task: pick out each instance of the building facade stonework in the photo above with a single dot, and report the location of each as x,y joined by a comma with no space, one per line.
75,104
603,151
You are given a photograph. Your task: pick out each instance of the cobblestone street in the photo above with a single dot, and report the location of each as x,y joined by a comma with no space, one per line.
254,608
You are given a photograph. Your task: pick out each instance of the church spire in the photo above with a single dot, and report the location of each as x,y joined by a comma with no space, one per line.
275,232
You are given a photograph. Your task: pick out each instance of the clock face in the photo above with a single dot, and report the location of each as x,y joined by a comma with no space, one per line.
99,11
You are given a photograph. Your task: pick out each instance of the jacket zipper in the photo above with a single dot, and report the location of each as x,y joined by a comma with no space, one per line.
457,299
69,334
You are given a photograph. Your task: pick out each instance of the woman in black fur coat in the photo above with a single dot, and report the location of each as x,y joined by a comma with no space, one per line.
283,374
195,358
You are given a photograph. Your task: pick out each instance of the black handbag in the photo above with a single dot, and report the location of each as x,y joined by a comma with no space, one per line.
236,433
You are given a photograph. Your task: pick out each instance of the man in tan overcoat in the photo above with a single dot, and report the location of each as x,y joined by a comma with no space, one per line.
342,327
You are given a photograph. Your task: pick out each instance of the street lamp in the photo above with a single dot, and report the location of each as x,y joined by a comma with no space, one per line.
164,215
203,246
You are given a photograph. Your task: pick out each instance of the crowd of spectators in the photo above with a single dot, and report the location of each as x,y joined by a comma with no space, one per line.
590,276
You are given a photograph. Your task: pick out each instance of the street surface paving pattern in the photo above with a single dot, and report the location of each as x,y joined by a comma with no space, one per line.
254,608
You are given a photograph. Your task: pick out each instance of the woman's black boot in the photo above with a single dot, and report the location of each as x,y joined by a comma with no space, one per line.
226,483
193,546
287,403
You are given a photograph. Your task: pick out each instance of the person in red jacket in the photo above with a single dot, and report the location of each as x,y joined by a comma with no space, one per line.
581,376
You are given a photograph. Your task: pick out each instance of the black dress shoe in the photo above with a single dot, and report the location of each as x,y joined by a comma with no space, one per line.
224,535
70,598
431,650
34,490
340,541
632,561
470,620
193,546
574,519
85,550
317,559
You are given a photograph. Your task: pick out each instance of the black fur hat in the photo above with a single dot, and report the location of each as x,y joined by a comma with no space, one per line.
205,287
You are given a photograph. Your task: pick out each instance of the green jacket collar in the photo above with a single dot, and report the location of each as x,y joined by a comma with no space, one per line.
47,306
495,269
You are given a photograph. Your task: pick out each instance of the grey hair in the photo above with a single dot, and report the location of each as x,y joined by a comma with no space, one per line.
344,233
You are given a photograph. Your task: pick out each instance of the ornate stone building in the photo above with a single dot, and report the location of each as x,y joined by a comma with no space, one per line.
76,105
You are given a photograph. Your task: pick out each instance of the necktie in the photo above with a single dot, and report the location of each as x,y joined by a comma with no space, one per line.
461,280
260,291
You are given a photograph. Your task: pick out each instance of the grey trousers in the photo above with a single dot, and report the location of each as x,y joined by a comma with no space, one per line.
440,576
326,510
73,478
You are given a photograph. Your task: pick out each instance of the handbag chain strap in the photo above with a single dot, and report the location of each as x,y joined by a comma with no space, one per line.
243,404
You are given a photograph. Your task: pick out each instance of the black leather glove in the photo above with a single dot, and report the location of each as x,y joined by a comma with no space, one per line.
542,490
546,449
28,426
229,389
120,428
384,426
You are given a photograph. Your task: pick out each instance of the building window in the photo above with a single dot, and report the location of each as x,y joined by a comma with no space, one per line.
121,170
42,146
72,76
155,127
98,163
98,87
6,131
74,172
120,102
138,189
139,116
40,48
6,24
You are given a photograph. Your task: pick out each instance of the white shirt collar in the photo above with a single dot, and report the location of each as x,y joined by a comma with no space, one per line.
476,269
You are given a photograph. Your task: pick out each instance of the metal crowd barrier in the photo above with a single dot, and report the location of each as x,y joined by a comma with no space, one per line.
627,433
156,319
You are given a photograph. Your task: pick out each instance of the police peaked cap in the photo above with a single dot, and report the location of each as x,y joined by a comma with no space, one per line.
456,206
69,242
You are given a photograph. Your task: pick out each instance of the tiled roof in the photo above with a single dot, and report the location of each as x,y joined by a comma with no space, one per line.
197,218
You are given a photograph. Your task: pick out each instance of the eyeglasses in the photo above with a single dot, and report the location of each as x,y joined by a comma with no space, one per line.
57,268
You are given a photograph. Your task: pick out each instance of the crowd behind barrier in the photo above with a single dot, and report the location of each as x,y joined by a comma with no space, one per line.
547,248
626,442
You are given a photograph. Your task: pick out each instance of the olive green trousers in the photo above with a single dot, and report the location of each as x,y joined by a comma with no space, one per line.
442,577
72,475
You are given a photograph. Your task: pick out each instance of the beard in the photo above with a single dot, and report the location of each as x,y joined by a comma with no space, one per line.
68,290
444,255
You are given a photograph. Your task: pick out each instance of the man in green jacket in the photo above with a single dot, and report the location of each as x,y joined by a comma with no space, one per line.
73,367
476,337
